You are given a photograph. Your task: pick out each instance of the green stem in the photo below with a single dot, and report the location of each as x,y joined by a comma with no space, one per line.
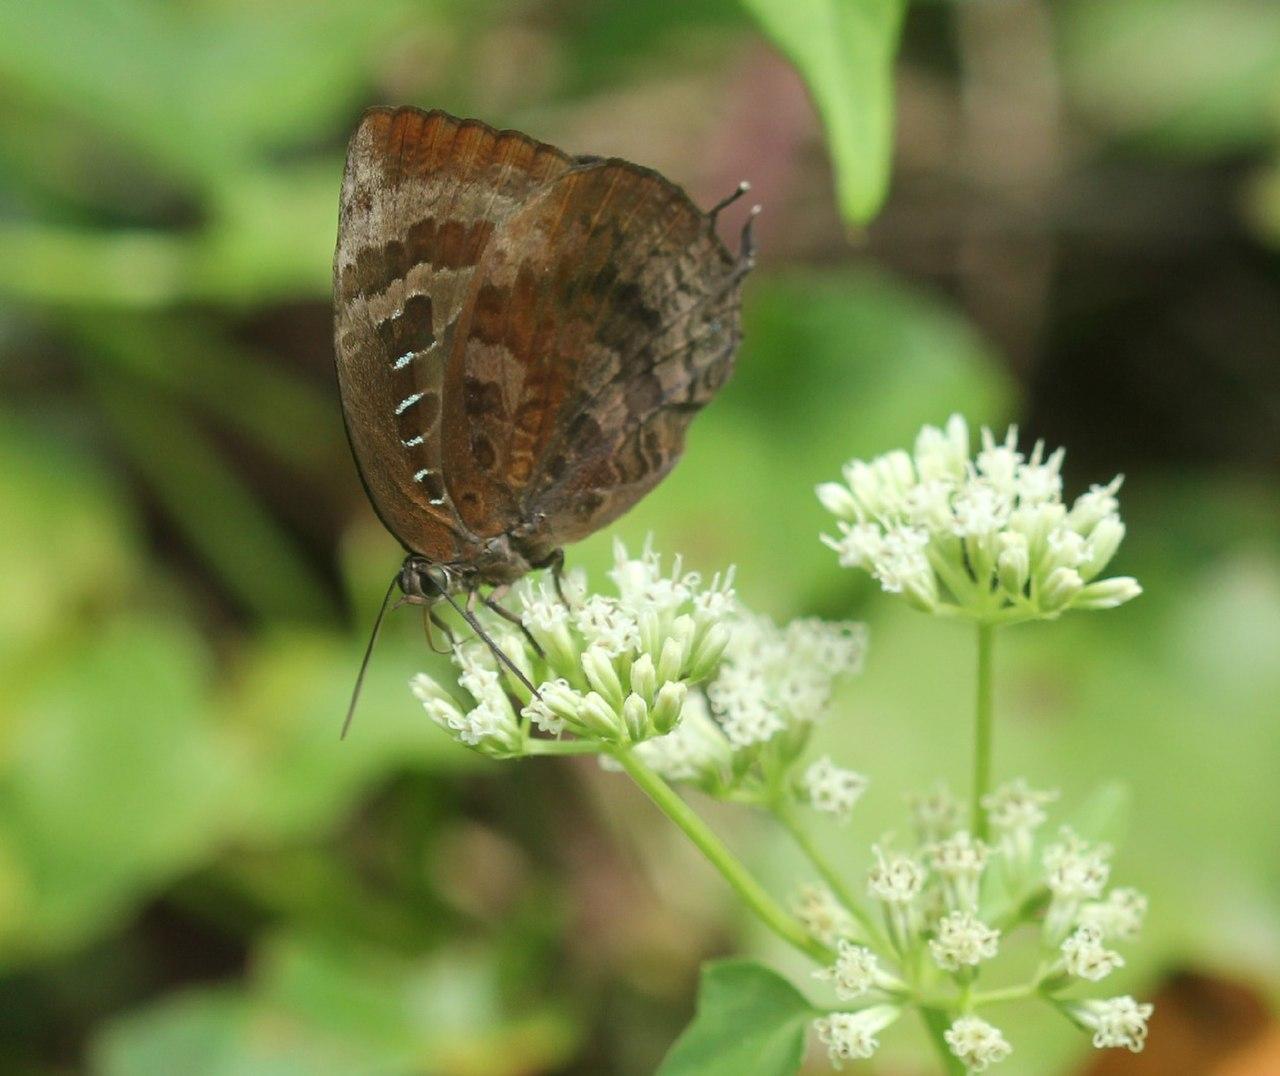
753,894
784,811
936,1023
560,747
984,713
1007,993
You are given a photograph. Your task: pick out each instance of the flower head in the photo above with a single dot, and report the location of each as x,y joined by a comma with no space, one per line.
1118,915
1114,1022
895,879
856,971
989,537
832,789
963,941
615,668
976,1043
851,1036
1085,957
822,915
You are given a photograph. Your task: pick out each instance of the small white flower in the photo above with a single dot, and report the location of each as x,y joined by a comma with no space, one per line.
902,563
1015,807
959,861
1118,915
1114,1022
980,511
851,1036
963,941
859,545
822,915
895,879
976,1043
1075,870
856,971
1085,957
936,814
833,789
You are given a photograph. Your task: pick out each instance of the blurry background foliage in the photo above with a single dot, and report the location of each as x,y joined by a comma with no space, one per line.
1079,234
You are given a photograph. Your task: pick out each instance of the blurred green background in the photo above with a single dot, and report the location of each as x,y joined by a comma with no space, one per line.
195,877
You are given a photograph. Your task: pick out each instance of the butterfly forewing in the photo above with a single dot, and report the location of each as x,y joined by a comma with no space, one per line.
422,195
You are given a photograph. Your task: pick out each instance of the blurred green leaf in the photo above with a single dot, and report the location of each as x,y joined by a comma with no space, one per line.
320,1008
66,545
750,1019
262,565
1186,75
844,50
111,779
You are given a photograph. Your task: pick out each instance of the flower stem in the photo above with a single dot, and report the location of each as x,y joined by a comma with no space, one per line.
533,746
784,811
984,713
936,1023
753,894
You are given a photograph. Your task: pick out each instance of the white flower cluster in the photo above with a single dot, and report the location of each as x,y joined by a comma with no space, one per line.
772,684
951,899
615,669
774,678
988,537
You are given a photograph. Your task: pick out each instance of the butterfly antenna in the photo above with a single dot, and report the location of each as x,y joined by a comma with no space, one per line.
484,637
725,203
368,652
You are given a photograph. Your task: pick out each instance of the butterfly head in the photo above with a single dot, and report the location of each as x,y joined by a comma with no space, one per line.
425,583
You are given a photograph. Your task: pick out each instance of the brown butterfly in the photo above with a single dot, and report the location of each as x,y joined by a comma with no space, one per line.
522,339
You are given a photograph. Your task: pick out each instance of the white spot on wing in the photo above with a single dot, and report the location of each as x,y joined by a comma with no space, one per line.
404,360
413,441
407,403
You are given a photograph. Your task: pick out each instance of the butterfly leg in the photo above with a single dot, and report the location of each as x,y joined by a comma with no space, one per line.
556,563
430,618
492,603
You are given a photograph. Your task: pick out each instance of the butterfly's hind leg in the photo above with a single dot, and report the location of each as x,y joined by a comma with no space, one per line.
555,562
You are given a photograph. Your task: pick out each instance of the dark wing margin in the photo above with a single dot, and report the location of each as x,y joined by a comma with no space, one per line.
603,316
422,195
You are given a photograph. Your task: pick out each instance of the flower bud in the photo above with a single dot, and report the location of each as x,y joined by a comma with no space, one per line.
644,677
599,718
1108,593
671,660
1014,562
669,704
1104,540
562,701
836,499
708,652
602,675
1060,589
635,715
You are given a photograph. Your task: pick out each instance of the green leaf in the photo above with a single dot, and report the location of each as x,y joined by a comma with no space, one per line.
750,1019
844,50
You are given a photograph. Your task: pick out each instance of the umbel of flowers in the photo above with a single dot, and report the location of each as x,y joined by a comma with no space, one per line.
939,909
987,537
667,677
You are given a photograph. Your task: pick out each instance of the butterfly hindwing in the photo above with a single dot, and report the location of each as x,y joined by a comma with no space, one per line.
603,315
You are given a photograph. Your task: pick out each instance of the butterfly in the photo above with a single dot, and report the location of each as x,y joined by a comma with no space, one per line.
522,339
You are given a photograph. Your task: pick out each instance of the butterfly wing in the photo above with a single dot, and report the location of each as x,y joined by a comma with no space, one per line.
603,316
422,195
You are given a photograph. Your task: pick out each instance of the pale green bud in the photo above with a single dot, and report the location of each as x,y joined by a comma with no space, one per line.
599,718
836,499
671,661
644,677
635,715
1060,589
1104,540
709,651
602,675
1108,593
667,707
1014,562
